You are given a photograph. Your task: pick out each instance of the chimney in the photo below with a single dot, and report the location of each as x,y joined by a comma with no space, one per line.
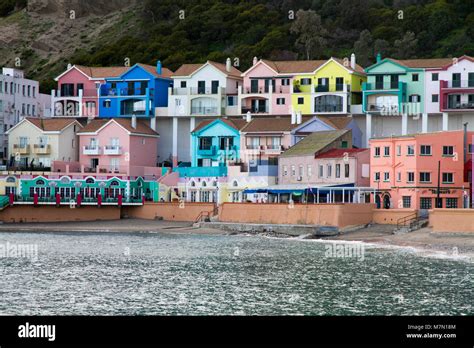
158,67
299,117
255,60
379,57
353,61
153,123
248,117
228,65
134,121
69,66
293,117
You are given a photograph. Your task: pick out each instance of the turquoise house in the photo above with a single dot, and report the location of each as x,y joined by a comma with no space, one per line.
394,87
215,143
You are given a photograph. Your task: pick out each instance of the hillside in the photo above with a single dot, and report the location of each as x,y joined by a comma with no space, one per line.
45,38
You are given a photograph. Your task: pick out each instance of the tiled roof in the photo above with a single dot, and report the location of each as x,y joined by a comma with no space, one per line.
273,124
236,123
165,72
338,153
55,124
102,72
313,143
188,69
97,123
338,122
424,63
304,66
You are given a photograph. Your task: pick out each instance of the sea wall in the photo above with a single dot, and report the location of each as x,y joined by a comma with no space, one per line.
452,220
29,213
340,215
168,211
390,216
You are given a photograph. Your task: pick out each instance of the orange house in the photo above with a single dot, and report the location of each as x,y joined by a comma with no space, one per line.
404,170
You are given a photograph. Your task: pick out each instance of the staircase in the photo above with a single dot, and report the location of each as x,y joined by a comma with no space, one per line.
411,223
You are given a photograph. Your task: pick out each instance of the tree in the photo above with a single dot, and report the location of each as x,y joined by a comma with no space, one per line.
363,48
311,33
407,46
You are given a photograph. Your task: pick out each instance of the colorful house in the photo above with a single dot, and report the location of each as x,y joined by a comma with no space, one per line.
118,145
137,91
334,87
38,142
404,170
78,88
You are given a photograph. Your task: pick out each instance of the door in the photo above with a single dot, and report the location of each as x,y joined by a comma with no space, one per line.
214,86
94,163
253,86
379,82
201,87
394,81
456,80
323,84
339,83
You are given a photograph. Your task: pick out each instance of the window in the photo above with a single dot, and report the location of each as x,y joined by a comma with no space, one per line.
448,178
414,98
425,177
280,101
448,150
106,103
344,144
410,150
285,82
293,171
321,171
225,143
300,170
231,100
285,170
205,143
414,77
386,151
377,152
410,177
183,84
305,81
310,170
425,203
434,77
451,203
434,98
338,170
406,201
425,150
346,170
399,176
470,147
329,173
377,176
386,176
399,150
300,101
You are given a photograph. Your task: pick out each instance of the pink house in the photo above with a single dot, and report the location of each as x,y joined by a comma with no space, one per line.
78,88
267,85
404,170
118,146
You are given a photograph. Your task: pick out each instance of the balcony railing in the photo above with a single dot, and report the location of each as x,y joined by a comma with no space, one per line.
328,108
460,106
459,84
112,150
253,147
138,92
211,151
76,93
205,110
383,108
204,90
262,89
338,87
366,86
255,110
190,172
91,150
22,149
42,149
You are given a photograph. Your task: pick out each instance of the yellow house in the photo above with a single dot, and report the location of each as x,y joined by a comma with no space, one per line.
35,143
335,87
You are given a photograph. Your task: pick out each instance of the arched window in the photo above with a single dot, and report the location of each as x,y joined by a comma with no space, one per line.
204,184
114,183
90,181
40,182
11,179
214,183
193,184
235,183
65,180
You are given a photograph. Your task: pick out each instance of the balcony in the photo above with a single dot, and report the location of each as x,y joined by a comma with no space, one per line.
106,91
329,108
211,151
205,90
382,86
80,93
112,150
22,149
261,109
453,84
265,90
338,87
91,150
190,172
204,110
42,149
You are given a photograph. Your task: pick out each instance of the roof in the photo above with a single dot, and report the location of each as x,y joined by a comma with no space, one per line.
338,153
413,135
313,143
274,124
189,69
237,124
338,122
165,72
55,124
305,66
97,123
424,63
102,72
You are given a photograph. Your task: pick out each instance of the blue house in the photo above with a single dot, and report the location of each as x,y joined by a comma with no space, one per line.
136,92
